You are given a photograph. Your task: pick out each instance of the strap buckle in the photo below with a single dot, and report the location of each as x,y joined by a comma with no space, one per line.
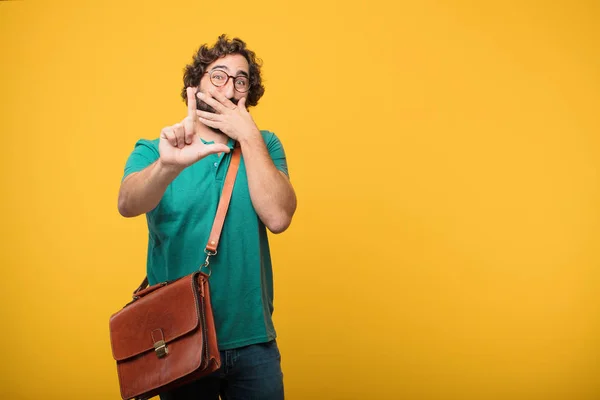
160,346
206,263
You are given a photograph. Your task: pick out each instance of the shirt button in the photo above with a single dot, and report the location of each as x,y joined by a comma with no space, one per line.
215,164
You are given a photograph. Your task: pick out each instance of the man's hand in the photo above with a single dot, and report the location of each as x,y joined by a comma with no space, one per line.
233,120
180,146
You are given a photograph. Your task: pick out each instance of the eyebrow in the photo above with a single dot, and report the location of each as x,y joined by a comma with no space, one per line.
244,73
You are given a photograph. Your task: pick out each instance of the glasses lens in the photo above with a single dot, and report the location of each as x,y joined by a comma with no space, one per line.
241,83
218,78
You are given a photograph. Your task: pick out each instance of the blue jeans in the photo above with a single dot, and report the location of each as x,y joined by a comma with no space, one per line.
247,373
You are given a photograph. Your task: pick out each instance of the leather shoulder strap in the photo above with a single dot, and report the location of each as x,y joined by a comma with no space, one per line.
215,234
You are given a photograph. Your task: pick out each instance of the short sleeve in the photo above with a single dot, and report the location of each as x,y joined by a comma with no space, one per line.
144,153
276,151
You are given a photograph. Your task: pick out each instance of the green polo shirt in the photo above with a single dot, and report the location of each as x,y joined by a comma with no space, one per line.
241,281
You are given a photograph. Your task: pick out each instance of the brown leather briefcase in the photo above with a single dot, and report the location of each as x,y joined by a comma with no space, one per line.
165,337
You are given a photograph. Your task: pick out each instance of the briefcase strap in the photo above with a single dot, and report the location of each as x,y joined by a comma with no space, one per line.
215,234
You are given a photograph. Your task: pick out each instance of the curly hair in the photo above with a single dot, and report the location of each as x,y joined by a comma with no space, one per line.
207,55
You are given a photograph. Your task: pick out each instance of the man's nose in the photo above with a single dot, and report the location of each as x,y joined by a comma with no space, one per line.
228,90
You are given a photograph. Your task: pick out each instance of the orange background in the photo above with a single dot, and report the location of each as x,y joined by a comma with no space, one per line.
445,156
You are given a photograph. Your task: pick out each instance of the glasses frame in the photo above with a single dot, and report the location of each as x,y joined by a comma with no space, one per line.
228,77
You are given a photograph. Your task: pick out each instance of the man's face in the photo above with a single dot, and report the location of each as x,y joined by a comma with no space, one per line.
234,65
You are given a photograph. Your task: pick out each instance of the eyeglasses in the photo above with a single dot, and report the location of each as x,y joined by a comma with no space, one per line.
220,78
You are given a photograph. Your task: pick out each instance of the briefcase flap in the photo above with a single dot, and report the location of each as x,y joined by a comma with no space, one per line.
155,319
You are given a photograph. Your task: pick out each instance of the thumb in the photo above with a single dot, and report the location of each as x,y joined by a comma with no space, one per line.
242,103
216,148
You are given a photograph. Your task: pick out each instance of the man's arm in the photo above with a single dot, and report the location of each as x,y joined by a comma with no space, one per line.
271,191
178,148
141,191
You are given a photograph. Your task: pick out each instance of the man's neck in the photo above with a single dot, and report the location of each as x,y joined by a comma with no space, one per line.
210,135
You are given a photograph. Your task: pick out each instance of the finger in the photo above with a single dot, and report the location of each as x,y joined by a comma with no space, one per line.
216,148
188,137
208,99
191,100
189,126
179,134
221,98
168,134
242,103
212,124
189,129
209,115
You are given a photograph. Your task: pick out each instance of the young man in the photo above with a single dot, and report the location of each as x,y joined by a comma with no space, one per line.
176,180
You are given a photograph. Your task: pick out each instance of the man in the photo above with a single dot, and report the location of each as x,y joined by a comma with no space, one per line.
176,180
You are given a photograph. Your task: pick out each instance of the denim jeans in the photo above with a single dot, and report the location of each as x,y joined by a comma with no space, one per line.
247,373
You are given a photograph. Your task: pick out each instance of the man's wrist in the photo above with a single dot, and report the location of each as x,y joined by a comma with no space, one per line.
250,138
169,170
